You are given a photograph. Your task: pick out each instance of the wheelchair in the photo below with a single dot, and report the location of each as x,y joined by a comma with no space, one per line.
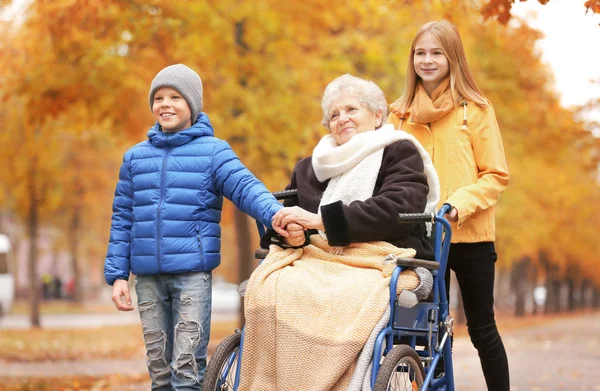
412,344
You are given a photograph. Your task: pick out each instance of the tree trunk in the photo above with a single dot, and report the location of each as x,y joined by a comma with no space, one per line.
533,281
586,293
73,249
519,284
553,292
596,297
552,304
557,288
572,294
34,283
245,252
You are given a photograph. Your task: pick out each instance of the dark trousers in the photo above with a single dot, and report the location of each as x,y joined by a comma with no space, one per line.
473,264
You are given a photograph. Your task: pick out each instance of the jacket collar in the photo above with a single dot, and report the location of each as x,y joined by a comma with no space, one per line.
202,127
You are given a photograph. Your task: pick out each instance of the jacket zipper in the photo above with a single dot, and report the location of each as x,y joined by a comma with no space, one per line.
159,211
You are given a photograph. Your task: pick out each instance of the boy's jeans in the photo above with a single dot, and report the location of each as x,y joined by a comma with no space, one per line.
175,314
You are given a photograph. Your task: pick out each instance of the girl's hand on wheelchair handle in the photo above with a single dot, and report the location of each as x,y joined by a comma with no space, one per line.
452,215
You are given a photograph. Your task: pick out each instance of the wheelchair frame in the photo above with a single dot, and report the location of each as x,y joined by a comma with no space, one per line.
424,328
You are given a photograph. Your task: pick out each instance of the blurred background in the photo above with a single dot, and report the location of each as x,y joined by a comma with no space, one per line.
74,82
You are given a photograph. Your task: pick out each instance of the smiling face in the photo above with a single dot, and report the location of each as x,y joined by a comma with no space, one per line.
171,110
431,65
347,118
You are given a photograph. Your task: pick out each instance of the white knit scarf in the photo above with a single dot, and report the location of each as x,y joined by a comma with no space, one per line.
352,168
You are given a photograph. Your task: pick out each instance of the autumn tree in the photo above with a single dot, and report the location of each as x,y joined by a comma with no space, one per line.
78,73
500,9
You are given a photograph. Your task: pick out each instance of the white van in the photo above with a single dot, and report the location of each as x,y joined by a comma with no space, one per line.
7,282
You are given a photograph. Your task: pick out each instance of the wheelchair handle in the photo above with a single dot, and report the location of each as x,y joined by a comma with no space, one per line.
285,194
405,218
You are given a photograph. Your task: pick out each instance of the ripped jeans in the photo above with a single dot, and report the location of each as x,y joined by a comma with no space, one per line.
175,314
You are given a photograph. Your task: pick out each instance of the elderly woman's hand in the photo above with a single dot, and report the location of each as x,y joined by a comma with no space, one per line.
296,215
296,233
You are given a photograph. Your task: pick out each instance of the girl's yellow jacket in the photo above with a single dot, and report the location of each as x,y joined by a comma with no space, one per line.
470,163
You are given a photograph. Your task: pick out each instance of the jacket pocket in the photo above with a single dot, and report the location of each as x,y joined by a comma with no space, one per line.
199,242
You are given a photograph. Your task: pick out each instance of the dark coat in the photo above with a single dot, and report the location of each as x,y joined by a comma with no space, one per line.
401,187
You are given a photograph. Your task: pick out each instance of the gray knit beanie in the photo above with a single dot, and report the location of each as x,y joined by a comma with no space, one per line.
184,80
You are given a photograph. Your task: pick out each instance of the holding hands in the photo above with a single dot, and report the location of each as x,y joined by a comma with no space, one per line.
291,222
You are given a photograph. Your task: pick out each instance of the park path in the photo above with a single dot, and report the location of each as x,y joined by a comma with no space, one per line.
560,354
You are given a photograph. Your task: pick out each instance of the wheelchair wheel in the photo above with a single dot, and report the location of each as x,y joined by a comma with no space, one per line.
401,370
221,369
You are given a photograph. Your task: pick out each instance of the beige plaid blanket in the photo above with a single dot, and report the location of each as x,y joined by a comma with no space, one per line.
309,314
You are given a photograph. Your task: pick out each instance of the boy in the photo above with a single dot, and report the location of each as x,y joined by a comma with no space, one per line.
165,226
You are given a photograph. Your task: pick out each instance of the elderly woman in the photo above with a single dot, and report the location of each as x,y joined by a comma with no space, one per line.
361,175
312,304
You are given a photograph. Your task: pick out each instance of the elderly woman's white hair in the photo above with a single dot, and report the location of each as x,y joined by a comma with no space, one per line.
368,93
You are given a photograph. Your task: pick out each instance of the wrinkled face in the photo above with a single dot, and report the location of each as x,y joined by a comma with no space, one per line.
430,62
347,118
171,110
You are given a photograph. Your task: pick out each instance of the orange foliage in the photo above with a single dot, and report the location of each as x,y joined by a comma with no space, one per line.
76,75
500,9
592,5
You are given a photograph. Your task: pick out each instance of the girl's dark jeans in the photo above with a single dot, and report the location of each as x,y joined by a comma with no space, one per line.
473,264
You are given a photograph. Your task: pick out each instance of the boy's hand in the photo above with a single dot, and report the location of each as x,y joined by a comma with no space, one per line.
120,295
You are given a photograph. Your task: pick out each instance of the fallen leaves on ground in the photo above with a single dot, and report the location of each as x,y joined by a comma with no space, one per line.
22,307
71,344
121,342
79,383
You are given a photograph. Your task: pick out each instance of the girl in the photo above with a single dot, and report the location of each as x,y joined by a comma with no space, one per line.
448,114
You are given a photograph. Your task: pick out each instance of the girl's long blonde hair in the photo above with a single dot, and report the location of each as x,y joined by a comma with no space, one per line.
462,83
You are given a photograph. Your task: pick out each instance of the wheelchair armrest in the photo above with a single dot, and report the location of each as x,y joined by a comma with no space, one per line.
413,262
261,253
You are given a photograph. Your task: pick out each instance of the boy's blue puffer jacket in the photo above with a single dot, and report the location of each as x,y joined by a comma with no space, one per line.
168,201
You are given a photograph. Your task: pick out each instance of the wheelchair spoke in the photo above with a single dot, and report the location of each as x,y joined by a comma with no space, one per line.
401,371
403,378
221,371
